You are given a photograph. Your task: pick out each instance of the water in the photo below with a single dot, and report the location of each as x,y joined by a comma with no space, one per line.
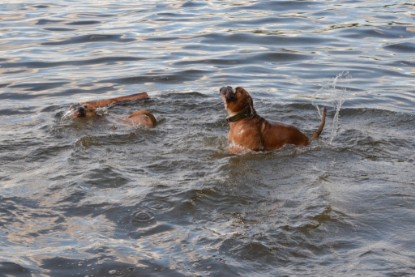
98,199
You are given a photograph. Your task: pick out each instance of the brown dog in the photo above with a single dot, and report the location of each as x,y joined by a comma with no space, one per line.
141,117
250,131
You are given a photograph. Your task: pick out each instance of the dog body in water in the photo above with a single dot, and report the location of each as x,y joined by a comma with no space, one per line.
89,110
250,131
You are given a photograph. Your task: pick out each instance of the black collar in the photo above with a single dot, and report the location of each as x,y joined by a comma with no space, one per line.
245,113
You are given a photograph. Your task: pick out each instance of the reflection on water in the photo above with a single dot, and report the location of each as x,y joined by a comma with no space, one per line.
94,198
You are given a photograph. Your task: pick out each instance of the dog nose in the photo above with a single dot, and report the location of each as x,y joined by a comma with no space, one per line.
81,111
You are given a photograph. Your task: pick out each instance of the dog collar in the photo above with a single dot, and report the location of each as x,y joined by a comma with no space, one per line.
245,113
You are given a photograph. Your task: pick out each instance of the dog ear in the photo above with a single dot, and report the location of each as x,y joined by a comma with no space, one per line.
251,105
250,101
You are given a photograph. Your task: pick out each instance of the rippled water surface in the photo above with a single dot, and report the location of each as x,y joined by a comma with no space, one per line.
93,198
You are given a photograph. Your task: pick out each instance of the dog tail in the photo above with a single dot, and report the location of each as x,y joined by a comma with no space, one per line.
317,133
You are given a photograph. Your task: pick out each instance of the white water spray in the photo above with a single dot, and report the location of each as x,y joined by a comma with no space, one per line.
336,93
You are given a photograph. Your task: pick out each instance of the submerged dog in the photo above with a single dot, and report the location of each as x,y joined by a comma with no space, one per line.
90,109
250,131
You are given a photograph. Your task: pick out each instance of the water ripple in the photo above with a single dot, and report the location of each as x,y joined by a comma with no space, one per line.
405,47
97,198
90,38
42,64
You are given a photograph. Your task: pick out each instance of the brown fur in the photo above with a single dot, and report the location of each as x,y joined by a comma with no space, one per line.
117,100
250,131
141,117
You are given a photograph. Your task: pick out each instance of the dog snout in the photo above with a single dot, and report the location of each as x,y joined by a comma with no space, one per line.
228,93
81,111
77,110
226,90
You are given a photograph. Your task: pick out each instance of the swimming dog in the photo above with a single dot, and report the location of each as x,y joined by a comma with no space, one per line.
89,109
250,131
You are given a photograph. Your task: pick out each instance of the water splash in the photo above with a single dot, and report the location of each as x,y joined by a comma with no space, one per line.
335,92
68,114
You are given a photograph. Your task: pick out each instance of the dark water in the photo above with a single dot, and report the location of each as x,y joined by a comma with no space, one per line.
98,199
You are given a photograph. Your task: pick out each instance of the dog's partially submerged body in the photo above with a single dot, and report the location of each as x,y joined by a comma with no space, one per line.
250,131
89,109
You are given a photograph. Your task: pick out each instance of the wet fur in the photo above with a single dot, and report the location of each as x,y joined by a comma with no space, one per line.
141,117
256,133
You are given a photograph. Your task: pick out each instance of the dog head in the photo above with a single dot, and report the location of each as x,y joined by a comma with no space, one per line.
237,100
82,110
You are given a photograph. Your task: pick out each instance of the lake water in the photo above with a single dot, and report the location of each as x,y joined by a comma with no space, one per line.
93,198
